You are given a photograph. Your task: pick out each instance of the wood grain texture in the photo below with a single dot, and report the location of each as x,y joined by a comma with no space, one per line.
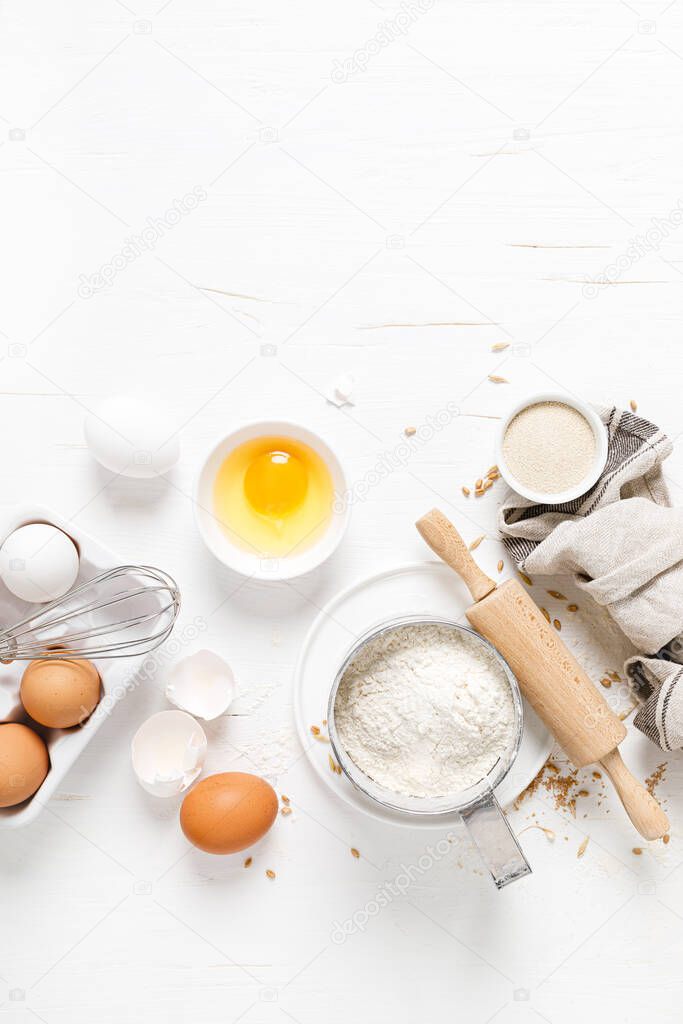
550,677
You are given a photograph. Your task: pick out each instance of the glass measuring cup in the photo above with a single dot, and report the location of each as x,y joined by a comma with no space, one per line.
476,806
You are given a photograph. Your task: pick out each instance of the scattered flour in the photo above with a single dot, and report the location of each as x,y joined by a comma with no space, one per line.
425,710
549,447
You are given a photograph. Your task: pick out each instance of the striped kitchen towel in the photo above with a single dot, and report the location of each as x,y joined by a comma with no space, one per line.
622,542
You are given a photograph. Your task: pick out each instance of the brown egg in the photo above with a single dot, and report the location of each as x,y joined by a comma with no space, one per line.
60,693
227,812
24,763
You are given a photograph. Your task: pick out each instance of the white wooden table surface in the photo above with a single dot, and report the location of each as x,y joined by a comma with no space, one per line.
380,188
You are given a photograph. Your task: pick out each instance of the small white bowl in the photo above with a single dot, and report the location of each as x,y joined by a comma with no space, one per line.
599,432
254,565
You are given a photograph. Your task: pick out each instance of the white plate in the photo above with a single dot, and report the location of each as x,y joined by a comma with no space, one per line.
117,674
428,588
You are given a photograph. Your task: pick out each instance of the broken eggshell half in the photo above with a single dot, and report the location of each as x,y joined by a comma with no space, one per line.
168,752
202,684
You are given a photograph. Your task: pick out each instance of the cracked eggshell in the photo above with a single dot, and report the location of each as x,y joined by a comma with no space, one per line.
168,753
132,436
202,684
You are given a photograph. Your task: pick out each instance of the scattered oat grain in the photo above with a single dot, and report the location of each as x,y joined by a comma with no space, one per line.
548,832
248,862
526,579
546,614
466,491
409,431
606,683
315,730
285,811
285,799
634,405
500,346
582,848
572,607
637,851
270,873
666,839
500,565
355,853
557,595
476,542
495,379
557,624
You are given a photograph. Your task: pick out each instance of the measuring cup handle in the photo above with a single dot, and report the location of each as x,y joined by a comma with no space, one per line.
493,837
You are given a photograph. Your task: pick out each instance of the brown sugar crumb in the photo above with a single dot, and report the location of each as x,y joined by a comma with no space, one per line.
606,683
285,799
637,851
597,775
315,730
355,853
270,873
583,792
666,839
562,788
652,781
248,862
285,811
582,848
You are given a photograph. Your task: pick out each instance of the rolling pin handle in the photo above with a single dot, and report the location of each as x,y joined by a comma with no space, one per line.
446,542
641,807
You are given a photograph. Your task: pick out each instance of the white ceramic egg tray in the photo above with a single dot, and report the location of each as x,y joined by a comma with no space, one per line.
117,674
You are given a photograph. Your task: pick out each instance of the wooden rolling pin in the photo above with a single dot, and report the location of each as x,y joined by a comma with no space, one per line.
549,676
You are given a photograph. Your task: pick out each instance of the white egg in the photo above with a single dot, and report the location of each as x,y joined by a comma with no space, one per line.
168,752
132,436
38,562
202,684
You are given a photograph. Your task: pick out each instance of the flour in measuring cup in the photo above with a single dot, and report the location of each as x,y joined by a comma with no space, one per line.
425,710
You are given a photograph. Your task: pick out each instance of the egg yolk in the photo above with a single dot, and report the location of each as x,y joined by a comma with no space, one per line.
275,484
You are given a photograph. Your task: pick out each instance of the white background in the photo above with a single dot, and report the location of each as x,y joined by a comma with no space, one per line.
455,193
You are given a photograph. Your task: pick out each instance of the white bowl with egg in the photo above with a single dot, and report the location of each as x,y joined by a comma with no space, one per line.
535,453
249,557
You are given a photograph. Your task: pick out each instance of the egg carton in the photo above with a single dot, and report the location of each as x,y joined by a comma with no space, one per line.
117,674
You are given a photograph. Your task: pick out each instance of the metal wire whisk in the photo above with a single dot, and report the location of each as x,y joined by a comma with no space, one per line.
123,612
